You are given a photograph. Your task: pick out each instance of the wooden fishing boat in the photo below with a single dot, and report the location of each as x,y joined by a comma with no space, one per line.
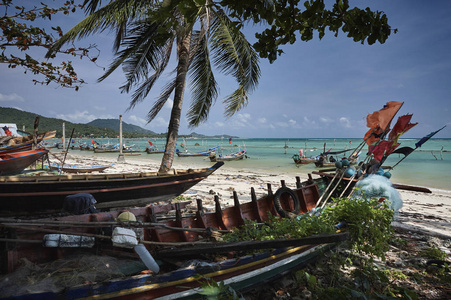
298,160
234,156
68,168
37,193
24,143
202,153
153,150
180,239
15,162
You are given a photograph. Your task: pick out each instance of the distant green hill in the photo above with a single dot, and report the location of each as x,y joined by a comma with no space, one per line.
96,128
93,129
114,125
201,136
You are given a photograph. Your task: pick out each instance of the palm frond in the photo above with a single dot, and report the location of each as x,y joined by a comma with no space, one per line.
140,53
235,56
136,69
161,101
236,101
204,85
113,15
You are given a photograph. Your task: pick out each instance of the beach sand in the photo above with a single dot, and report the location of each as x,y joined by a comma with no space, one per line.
423,213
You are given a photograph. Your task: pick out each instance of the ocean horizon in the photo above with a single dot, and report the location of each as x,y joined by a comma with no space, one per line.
428,166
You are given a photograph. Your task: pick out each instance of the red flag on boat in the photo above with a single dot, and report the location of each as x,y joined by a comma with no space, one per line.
379,121
150,143
384,148
92,141
230,140
402,126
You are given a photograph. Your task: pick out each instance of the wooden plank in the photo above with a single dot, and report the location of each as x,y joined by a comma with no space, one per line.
252,245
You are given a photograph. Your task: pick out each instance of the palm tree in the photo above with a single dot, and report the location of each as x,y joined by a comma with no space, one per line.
204,38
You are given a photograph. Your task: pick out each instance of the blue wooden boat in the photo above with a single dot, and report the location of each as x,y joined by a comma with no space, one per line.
74,168
201,153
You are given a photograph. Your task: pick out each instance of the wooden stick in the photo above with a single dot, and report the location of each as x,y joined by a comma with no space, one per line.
253,245
101,224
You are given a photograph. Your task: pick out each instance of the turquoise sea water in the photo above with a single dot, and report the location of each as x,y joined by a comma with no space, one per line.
426,166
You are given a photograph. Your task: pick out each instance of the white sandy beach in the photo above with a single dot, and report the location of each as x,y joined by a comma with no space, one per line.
420,211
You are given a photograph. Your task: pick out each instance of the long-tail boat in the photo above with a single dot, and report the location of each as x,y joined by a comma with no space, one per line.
22,143
33,194
15,162
73,168
233,156
175,240
201,153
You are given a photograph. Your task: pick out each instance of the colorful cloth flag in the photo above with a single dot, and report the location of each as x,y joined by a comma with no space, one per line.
150,143
402,126
379,121
383,149
230,140
404,150
426,138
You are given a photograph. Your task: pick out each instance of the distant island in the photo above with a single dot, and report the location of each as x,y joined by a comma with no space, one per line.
95,129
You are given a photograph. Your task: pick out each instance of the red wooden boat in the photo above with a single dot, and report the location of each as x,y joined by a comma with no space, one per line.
176,240
15,162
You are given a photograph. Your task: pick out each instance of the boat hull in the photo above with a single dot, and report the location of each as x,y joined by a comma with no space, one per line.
78,169
241,272
15,162
203,153
38,193
26,143
235,156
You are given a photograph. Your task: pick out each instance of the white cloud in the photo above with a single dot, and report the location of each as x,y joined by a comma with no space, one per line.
137,120
82,117
261,120
325,120
101,108
241,121
244,117
11,97
292,122
159,122
281,124
345,122
307,123
169,104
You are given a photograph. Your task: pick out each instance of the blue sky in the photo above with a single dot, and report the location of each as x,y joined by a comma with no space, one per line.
321,88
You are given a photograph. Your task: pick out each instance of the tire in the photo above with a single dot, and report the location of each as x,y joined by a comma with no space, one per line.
278,206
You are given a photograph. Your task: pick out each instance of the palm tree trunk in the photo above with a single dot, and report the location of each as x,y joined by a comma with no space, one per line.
183,48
